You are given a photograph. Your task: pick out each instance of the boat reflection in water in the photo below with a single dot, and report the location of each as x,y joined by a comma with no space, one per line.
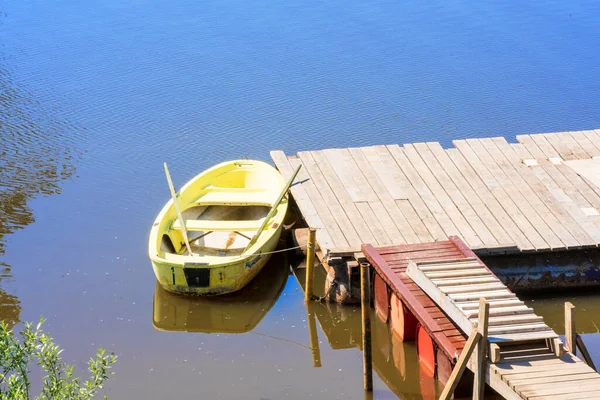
237,312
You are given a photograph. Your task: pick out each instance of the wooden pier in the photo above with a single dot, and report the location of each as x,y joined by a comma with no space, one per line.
540,194
440,284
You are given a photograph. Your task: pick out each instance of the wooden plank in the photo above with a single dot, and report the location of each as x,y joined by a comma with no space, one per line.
589,381
392,178
456,274
583,140
531,336
374,224
470,191
360,226
567,212
487,294
335,209
437,191
574,147
560,187
594,137
581,185
300,196
454,193
423,191
463,281
457,261
329,234
560,147
399,229
513,319
413,199
451,266
570,396
350,175
484,192
499,311
510,329
536,199
544,378
304,202
562,389
471,288
514,202
407,248
337,164
472,305
522,376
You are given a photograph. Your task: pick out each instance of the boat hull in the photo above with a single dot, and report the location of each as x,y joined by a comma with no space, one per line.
215,279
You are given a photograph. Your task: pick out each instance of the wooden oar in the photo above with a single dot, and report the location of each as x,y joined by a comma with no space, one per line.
273,209
178,211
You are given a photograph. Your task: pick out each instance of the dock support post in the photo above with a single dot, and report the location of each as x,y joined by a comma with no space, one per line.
310,265
365,296
480,356
570,331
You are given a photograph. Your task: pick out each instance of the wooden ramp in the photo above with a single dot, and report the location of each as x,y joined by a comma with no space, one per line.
457,286
390,263
498,197
529,367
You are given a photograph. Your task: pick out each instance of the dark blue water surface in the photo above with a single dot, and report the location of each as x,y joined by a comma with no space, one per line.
95,95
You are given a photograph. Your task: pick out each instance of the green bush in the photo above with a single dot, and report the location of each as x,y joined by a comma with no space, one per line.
58,382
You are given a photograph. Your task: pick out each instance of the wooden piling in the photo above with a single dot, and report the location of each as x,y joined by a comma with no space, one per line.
570,330
480,357
310,265
365,295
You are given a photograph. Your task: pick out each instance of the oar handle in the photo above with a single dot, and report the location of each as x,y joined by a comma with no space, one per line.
178,211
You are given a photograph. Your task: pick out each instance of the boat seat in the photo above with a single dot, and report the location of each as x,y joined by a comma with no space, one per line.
237,198
206,225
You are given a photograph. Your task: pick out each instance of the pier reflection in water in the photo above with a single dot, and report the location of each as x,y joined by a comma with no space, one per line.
395,362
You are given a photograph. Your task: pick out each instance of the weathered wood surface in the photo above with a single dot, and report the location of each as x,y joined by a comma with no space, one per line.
496,196
521,365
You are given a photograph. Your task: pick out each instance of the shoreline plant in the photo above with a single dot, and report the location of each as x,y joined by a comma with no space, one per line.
58,380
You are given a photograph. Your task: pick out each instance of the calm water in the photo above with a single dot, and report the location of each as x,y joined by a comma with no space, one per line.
95,95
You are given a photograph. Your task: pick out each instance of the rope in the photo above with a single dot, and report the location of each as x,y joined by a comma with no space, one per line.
331,287
280,338
271,252
282,250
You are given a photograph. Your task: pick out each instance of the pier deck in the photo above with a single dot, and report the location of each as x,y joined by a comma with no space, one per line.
498,197
528,367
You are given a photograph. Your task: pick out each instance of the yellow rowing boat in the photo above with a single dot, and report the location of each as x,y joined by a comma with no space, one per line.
216,233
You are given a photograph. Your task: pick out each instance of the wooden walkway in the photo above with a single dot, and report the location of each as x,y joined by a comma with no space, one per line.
528,367
499,197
